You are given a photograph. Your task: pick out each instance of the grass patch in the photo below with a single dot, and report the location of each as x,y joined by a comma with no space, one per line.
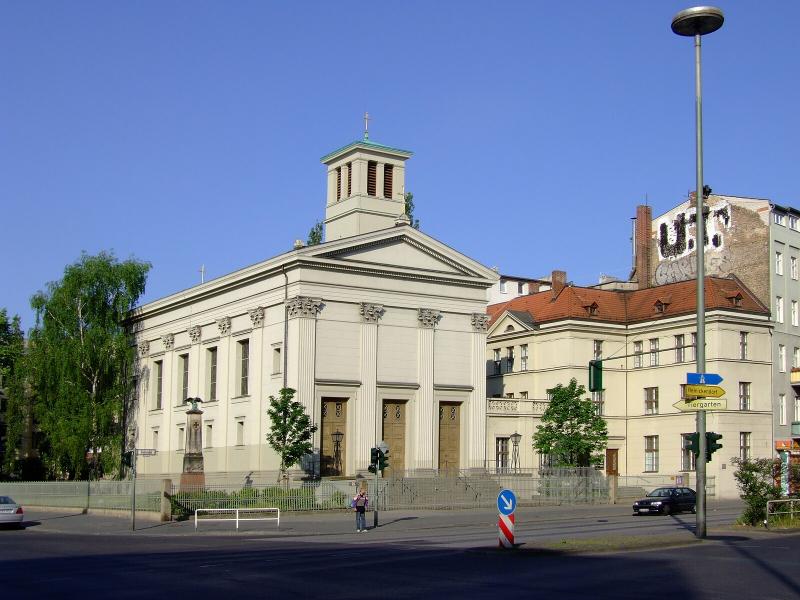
611,543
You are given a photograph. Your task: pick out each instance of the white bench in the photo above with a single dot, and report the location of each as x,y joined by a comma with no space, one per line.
275,511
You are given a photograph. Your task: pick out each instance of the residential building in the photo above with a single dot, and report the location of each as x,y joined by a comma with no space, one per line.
567,326
381,330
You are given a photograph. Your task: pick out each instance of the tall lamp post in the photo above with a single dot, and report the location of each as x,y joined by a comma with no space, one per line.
515,438
337,451
697,22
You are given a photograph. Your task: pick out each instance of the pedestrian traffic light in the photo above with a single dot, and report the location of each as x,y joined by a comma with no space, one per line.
373,460
693,443
712,444
383,460
595,375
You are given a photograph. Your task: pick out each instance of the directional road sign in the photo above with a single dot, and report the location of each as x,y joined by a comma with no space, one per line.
703,379
702,391
506,502
702,404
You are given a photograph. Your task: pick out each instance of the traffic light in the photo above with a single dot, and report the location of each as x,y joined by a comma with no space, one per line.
374,454
383,460
595,375
693,443
712,444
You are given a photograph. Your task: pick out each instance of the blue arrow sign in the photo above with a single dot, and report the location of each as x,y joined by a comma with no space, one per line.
703,379
506,502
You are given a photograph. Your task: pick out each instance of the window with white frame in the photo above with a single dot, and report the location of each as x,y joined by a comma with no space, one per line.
155,439
501,453
502,286
744,395
523,395
211,377
651,401
793,222
781,358
654,352
158,376
183,363
496,361
694,346
744,445
779,219
520,288
796,409
651,453
597,350
599,402
240,431
680,348
793,267
687,456
277,359
778,309
782,409
181,441
637,355
208,442
779,263
743,345
510,359
523,357
243,356
796,357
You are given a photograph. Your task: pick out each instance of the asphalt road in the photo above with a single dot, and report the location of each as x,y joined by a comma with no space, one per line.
412,555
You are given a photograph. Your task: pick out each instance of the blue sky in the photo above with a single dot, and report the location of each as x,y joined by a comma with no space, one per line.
189,133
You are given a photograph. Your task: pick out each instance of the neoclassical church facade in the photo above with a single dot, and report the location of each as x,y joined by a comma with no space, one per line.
381,330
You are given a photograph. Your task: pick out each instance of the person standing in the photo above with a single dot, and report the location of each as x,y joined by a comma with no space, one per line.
360,503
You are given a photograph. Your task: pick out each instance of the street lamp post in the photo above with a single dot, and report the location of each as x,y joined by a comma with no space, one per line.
697,22
515,438
337,451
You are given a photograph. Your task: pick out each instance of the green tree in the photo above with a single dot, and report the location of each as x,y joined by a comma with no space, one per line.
80,361
290,431
758,481
315,235
12,348
409,198
571,431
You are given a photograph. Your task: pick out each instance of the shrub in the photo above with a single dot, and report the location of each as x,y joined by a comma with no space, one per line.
757,481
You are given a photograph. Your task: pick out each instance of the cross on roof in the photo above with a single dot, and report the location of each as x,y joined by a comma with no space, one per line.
367,119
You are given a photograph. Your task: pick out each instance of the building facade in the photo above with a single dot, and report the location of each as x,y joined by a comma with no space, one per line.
381,330
538,341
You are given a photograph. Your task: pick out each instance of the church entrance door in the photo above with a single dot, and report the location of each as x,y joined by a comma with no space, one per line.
449,437
333,434
394,434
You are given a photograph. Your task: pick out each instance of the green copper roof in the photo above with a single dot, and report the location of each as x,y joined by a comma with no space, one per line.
365,143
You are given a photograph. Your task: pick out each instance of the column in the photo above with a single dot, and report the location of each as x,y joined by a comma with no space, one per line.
367,430
346,174
379,178
477,402
332,180
196,387
223,424
426,419
257,377
302,312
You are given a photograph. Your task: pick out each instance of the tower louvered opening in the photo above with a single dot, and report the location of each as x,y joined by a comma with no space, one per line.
349,179
388,172
339,183
372,178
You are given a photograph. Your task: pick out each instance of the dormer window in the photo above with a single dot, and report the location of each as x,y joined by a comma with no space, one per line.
660,306
591,309
735,298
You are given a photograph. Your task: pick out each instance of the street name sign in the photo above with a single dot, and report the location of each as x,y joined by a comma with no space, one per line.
506,502
702,391
703,378
146,451
702,404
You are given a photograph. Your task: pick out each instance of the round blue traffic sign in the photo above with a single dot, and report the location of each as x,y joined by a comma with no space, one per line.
506,502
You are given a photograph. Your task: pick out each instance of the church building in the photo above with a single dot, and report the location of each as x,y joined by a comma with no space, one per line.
381,330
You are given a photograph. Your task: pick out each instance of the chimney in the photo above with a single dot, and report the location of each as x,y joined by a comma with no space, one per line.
559,281
533,287
643,244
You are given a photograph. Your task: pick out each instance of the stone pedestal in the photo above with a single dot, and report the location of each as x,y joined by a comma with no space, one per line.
193,475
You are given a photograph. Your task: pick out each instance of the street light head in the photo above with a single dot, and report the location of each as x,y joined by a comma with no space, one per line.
516,437
699,20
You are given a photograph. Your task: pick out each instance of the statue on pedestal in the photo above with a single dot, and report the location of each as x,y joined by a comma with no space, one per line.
193,475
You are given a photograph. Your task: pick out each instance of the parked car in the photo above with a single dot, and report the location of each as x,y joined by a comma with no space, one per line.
11,513
666,500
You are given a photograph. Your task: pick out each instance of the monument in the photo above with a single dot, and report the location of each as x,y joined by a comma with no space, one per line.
193,475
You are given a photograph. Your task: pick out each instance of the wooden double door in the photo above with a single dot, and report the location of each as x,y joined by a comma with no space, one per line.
333,446
394,434
449,437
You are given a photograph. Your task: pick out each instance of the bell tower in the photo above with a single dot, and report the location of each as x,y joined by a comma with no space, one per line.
366,187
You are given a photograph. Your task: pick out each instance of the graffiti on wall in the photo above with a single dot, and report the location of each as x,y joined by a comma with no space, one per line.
685,267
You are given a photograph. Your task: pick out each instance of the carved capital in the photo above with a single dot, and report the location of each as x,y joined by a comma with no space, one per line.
224,325
144,348
428,317
168,340
371,313
303,306
257,316
194,333
480,322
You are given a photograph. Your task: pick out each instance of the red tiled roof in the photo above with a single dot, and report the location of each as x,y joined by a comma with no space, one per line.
631,306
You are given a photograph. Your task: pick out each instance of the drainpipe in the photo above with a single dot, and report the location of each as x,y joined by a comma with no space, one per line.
285,322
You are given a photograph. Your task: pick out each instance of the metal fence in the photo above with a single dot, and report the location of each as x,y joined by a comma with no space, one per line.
84,495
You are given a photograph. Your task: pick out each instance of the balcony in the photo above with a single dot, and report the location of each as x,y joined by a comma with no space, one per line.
794,376
516,406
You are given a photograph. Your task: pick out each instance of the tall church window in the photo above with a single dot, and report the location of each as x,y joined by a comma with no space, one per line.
388,175
372,178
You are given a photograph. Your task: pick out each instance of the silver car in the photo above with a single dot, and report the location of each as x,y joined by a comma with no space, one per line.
11,513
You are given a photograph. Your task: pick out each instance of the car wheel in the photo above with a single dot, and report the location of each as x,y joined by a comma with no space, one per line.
694,509
666,509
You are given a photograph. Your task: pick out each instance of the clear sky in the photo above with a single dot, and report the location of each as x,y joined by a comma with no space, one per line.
189,133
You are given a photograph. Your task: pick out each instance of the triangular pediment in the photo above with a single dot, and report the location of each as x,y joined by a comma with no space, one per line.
405,249
509,322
